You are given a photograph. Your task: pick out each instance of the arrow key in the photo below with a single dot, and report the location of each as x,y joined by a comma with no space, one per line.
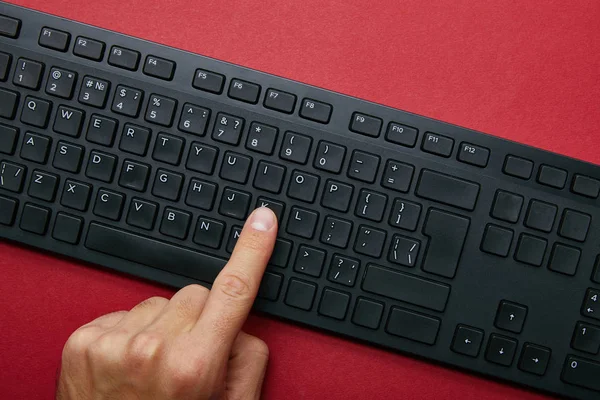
467,340
501,350
534,359
511,316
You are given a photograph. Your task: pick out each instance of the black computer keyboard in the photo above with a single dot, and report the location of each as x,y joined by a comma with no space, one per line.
395,229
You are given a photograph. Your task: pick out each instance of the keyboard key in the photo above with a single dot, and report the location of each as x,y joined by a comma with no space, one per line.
531,250
405,215
168,149
244,91
194,119
581,372
295,147
334,304
201,194
363,166
510,316
406,287
414,326
234,204
209,233
88,48
401,134
467,340
67,228
497,240
28,74
404,251
208,81
101,130
5,60
448,189
586,186
281,253
8,103
270,286
553,177
202,158
101,166
9,209
300,294
541,216
43,185
280,101
134,175
35,219
315,110
9,27
501,350
507,206
369,241
447,233
93,92
124,58
329,157
336,232
35,147
8,139
438,144
160,110
302,222
534,359
36,112
269,177
61,83
159,68
109,204
175,223
586,338
167,185
518,167
76,195
564,259
235,167
11,176
228,129
575,225
303,186
343,270
337,196
234,235
371,205
474,155
68,121
365,124
261,138
134,139
142,214
590,307
309,261
397,176
54,39
273,205
367,313
596,274
127,101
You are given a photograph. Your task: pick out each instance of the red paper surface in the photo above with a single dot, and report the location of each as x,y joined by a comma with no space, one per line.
525,71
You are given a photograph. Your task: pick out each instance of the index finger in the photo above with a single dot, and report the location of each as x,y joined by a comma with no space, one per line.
235,288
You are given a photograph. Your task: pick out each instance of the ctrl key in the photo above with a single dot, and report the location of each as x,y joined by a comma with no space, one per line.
8,207
581,372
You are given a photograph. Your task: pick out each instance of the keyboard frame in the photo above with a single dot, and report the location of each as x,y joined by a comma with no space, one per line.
551,330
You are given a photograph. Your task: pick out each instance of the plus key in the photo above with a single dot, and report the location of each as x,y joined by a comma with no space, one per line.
397,176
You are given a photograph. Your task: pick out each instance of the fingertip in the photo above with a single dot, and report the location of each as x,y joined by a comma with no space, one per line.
262,219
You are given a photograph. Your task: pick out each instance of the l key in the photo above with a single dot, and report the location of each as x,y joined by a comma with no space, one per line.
447,234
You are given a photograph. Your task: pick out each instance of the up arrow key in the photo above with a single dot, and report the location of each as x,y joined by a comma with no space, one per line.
467,341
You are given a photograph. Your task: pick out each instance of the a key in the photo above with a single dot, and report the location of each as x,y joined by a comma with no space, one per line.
208,81
244,91
334,304
438,144
448,189
275,206
281,253
34,219
88,48
159,67
343,270
61,83
124,58
447,234
127,101
5,61
414,326
9,209
586,338
35,147
8,103
8,139
280,101
234,235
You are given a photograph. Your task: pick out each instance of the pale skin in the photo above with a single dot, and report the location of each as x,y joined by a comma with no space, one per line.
189,347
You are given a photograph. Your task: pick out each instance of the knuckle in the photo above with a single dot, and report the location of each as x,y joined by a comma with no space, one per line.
152,302
108,348
236,285
143,349
184,376
78,343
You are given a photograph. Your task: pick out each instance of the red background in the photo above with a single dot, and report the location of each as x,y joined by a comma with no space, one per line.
526,71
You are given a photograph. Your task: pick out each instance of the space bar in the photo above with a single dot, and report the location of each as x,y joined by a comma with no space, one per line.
153,253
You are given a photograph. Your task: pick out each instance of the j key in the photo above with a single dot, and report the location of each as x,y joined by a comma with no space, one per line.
371,205
244,91
43,185
36,112
397,176
93,91
142,213
88,48
581,372
280,101
329,157
68,157
76,195
336,232
160,110
302,222
303,186
8,103
275,206
11,176
208,81
61,83
167,185
261,138
343,270
228,129
159,68
369,241
9,27
209,232
168,148
194,119
127,101
363,166
5,60
67,228
68,121
365,124
134,175
54,39
295,147
28,73
337,196
8,139
134,139
101,166
35,147
235,167
201,194
405,215
202,158
124,58
101,130
447,233
404,251
175,223
109,204
234,203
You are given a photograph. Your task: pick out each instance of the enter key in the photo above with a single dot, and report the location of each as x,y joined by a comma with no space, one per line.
447,234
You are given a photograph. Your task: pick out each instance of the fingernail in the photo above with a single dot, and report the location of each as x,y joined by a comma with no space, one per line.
262,219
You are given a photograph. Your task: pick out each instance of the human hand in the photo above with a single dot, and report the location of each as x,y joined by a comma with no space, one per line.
189,347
